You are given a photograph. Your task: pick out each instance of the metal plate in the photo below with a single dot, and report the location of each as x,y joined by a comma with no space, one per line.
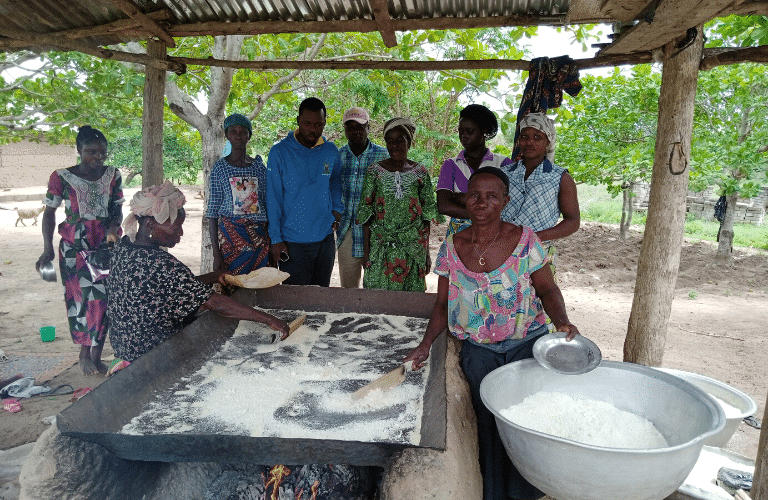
574,357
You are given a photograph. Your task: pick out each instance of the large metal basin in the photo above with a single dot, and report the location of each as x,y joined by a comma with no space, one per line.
723,392
568,470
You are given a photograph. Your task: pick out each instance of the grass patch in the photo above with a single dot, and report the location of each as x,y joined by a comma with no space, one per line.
597,205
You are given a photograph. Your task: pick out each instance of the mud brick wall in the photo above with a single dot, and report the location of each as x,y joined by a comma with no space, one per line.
702,204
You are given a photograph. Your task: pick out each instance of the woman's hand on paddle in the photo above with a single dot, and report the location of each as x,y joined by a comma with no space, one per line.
570,329
279,326
419,355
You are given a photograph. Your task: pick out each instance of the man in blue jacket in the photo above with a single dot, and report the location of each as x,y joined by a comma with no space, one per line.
304,199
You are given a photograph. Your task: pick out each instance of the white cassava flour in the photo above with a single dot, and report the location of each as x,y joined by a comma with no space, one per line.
585,421
300,387
730,410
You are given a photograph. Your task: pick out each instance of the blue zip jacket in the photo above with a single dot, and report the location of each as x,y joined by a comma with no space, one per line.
302,188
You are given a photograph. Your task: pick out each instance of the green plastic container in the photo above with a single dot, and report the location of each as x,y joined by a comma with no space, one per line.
48,333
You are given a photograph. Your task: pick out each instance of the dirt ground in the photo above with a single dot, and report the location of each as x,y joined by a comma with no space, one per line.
717,326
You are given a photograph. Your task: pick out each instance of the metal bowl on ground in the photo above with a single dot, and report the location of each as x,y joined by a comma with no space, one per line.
725,393
567,470
47,272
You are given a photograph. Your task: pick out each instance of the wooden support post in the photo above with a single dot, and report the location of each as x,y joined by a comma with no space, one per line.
152,123
663,238
759,489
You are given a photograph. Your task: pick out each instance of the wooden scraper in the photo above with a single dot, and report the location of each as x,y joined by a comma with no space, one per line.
296,323
385,382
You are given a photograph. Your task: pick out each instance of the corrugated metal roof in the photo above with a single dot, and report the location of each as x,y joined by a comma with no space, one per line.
52,16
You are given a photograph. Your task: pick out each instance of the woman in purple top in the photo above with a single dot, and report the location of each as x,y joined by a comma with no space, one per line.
493,289
477,124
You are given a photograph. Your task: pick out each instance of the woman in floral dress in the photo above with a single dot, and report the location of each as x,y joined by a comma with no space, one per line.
92,194
397,204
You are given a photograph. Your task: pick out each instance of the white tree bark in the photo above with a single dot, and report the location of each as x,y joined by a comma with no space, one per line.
209,125
662,242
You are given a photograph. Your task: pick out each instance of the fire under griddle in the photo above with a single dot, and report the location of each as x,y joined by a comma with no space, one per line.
101,415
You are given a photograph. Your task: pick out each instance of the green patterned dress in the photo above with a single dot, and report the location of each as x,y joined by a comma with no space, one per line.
399,206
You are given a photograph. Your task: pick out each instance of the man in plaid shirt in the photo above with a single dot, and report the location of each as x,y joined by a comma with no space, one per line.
354,159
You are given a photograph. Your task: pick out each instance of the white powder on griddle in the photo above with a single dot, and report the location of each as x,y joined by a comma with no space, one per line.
585,421
265,392
730,410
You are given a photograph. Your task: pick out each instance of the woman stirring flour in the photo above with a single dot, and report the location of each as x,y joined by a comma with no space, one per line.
152,294
493,291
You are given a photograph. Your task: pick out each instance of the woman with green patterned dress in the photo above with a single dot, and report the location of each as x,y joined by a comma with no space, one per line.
397,204
92,194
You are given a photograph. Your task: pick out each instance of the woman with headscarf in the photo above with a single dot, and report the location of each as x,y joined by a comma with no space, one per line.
152,295
397,204
539,190
493,289
236,207
477,124
92,193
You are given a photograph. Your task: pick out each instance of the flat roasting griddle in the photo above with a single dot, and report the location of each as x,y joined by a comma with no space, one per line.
99,416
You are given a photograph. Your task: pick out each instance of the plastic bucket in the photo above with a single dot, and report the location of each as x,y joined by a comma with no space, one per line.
48,333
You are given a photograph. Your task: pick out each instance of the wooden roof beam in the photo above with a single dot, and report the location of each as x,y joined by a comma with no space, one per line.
471,64
624,10
359,25
36,41
381,16
132,11
670,20
110,28
722,56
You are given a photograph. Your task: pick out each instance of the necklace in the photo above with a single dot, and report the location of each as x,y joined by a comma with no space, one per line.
481,259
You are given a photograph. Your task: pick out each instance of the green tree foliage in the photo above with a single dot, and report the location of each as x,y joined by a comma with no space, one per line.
57,92
606,135
742,31
182,160
730,131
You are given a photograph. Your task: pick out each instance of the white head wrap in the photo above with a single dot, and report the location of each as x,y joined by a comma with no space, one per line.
405,123
539,121
161,202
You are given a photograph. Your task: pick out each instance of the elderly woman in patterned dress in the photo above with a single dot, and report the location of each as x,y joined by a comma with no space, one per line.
397,204
152,295
93,196
493,289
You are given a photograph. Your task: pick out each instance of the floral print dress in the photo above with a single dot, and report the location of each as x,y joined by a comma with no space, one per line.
400,206
89,208
152,296
493,307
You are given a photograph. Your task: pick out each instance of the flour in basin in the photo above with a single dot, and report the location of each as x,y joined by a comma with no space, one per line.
585,421
300,387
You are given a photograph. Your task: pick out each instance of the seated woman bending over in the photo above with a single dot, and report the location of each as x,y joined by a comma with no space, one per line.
152,295
492,292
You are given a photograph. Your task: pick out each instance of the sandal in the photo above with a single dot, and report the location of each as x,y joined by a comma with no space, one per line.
79,393
11,405
62,390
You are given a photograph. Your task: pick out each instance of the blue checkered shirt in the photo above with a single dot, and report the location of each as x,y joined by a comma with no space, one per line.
352,174
533,202
221,200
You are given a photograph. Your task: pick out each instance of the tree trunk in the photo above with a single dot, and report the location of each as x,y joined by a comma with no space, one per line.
759,489
663,238
627,209
152,122
724,253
